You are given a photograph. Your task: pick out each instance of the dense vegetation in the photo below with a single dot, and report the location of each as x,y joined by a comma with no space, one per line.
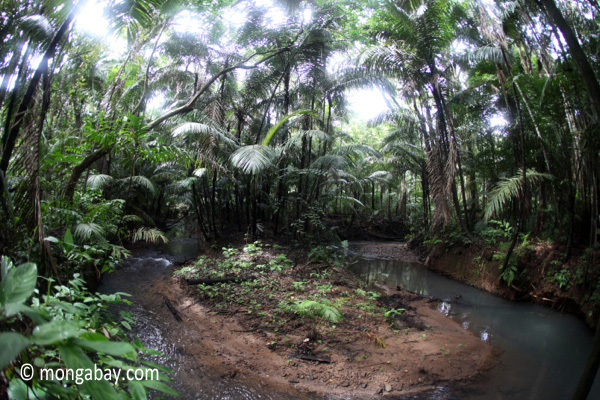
230,116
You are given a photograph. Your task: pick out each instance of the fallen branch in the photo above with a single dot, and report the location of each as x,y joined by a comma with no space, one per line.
307,357
235,279
172,309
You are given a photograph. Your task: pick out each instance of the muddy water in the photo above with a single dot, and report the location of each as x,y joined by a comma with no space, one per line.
543,351
145,277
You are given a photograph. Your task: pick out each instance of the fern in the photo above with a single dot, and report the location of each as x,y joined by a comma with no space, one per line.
323,310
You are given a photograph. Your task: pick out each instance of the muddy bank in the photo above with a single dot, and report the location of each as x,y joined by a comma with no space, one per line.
542,276
395,344
481,268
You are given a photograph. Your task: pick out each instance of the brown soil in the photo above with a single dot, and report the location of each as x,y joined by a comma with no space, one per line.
254,334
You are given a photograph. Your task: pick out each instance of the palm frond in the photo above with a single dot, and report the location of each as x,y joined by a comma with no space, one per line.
511,189
144,182
187,182
149,235
329,161
199,172
485,53
37,27
99,181
207,131
84,231
132,218
283,120
253,159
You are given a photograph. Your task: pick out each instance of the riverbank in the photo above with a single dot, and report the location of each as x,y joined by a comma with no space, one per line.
548,281
313,326
541,276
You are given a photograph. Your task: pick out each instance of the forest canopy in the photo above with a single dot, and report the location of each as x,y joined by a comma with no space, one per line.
125,120
237,114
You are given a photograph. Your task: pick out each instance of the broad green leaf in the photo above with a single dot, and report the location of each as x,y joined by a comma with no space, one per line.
68,241
12,344
99,343
158,366
137,390
15,308
18,390
18,283
275,127
75,358
55,331
157,385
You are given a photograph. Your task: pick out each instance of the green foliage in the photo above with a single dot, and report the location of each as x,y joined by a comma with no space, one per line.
509,273
433,241
253,249
62,330
283,120
394,312
150,235
332,255
496,231
253,159
512,189
314,309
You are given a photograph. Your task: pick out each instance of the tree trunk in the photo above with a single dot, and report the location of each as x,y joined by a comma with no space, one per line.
585,68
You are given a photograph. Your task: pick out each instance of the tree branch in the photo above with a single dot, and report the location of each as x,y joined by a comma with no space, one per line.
189,106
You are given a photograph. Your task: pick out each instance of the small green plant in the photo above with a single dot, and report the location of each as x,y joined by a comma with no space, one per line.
230,252
253,249
390,314
315,309
509,273
299,286
563,278
433,241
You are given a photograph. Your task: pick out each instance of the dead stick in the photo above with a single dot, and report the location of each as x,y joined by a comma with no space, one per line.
172,309
325,360
235,279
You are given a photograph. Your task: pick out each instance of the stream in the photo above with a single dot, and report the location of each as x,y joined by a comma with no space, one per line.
144,276
542,351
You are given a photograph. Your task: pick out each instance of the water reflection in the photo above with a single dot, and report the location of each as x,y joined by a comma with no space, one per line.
444,308
543,351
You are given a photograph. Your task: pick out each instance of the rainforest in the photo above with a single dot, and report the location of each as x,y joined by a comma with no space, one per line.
299,199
